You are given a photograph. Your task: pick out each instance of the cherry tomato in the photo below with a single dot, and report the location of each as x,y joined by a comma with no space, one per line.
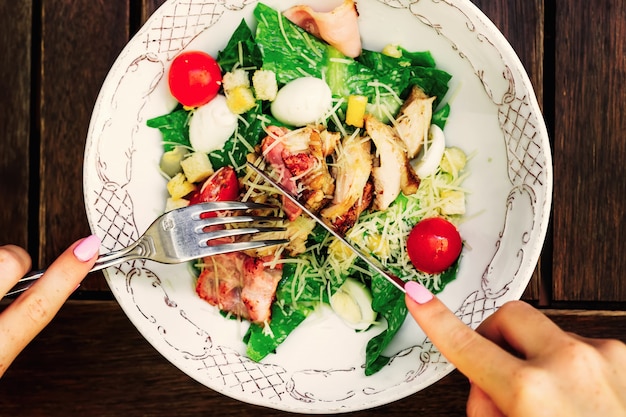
194,78
434,245
223,185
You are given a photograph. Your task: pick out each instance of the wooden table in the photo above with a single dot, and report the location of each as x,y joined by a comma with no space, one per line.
92,361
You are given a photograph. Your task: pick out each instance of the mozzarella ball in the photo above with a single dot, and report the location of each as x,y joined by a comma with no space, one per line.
302,101
211,125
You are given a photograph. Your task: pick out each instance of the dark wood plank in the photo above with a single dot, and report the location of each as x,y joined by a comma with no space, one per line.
590,323
522,23
15,79
80,41
589,151
92,361
148,7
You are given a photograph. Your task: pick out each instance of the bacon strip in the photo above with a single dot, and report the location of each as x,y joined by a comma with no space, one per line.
259,288
221,280
299,156
239,284
272,149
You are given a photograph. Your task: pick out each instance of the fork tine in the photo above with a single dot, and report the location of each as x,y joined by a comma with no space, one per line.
215,221
239,246
217,234
195,210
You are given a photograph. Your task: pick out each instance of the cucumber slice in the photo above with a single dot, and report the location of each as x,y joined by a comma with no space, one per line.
170,161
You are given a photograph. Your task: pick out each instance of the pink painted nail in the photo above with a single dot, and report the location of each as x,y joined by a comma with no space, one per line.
418,292
87,248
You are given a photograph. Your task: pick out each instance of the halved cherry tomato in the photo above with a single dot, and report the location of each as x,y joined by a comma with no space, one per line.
223,185
434,245
194,78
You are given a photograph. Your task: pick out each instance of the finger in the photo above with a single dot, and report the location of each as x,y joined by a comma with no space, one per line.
23,319
66,273
521,329
481,360
479,404
14,263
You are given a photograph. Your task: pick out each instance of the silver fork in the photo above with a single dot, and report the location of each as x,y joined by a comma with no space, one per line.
179,236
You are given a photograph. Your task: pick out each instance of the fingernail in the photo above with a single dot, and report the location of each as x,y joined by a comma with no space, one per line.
87,248
418,292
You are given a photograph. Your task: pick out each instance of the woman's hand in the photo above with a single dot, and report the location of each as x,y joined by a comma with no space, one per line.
28,314
520,363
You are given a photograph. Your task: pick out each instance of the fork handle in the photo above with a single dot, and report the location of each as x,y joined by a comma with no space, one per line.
29,279
104,261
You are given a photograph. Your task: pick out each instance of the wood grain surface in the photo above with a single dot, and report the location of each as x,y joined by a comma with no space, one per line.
92,361
15,116
589,151
79,42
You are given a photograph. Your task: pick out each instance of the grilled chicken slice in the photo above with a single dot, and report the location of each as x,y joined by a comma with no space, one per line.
306,159
351,170
413,120
329,141
394,172
347,219
339,27
239,284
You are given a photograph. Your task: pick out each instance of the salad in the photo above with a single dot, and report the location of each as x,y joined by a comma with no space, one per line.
356,134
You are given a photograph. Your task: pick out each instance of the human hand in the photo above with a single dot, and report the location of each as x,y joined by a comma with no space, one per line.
28,314
520,363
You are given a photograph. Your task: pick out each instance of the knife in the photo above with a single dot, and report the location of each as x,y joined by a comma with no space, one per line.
371,262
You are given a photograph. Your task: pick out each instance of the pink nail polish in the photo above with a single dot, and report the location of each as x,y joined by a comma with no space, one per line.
87,248
418,292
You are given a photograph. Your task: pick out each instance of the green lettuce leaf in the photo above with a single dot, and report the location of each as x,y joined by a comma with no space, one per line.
412,68
173,127
440,117
241,50
292,53
260,343
389,303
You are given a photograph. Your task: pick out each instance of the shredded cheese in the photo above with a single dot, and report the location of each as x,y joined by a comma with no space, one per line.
282,31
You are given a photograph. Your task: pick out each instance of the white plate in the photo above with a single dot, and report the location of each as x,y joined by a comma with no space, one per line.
318,369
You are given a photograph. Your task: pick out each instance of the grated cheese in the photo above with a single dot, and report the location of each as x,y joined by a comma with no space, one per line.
282,31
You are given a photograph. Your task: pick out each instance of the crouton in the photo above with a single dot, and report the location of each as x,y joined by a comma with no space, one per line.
197,167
